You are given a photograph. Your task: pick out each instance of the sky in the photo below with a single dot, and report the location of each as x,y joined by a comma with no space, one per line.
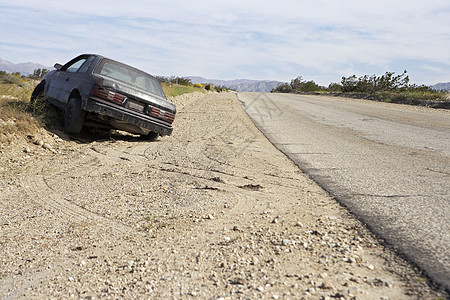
320,40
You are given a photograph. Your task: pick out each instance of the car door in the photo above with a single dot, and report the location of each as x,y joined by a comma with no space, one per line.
55,85
73,77
62,82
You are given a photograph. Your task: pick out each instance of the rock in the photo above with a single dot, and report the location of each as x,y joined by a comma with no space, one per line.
326,285
39,142
358,259
238,281
48,147
286,242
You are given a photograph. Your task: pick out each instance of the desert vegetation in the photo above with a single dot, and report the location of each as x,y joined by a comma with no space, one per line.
17,115
174,86
388,87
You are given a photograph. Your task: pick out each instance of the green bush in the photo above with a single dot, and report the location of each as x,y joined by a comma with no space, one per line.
387,87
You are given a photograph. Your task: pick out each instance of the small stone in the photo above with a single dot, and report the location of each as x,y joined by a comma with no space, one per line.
358,259
371,267
341,294
27,150
326,285
356,280
210,217
260,288
47,146
39,142
238,281
298,224
285,242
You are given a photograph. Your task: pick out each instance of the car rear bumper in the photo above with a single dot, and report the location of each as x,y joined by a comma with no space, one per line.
106,109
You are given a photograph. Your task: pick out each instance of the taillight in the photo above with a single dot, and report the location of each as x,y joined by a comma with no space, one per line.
107,94
161,114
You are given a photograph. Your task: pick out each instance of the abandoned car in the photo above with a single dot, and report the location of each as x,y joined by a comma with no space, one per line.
96,91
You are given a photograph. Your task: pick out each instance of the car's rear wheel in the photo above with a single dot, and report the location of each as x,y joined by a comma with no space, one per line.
151,136
73,116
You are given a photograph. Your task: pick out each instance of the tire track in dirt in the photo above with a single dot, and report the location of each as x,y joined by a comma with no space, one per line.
41,190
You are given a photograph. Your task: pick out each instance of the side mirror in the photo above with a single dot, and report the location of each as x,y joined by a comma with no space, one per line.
58,66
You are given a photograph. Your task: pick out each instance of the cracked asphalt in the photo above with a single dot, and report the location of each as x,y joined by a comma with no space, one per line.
389,164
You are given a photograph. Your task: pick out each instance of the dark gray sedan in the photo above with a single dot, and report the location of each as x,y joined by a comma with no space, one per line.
100,92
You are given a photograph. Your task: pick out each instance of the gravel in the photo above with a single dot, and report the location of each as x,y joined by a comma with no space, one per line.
212,212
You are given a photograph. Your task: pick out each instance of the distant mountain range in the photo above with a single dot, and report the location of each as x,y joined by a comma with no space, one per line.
240,85
442,86
23,68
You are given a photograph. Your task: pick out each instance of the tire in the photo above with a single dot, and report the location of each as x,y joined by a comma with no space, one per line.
73,116
151,136
38,95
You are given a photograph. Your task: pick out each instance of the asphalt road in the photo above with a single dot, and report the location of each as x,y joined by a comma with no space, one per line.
389,164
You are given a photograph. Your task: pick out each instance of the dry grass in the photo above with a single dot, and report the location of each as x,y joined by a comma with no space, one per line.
17,116
173,90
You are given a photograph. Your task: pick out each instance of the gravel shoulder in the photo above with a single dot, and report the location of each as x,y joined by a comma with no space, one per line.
212,212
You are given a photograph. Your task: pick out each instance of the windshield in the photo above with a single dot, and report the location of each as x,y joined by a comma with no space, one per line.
130,76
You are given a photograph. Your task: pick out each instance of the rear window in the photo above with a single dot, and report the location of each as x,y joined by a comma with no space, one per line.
130,76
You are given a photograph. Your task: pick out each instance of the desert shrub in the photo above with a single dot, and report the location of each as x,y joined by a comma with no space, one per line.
220,88
283,88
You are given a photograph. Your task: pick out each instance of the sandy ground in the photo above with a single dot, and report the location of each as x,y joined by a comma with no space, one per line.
212,212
